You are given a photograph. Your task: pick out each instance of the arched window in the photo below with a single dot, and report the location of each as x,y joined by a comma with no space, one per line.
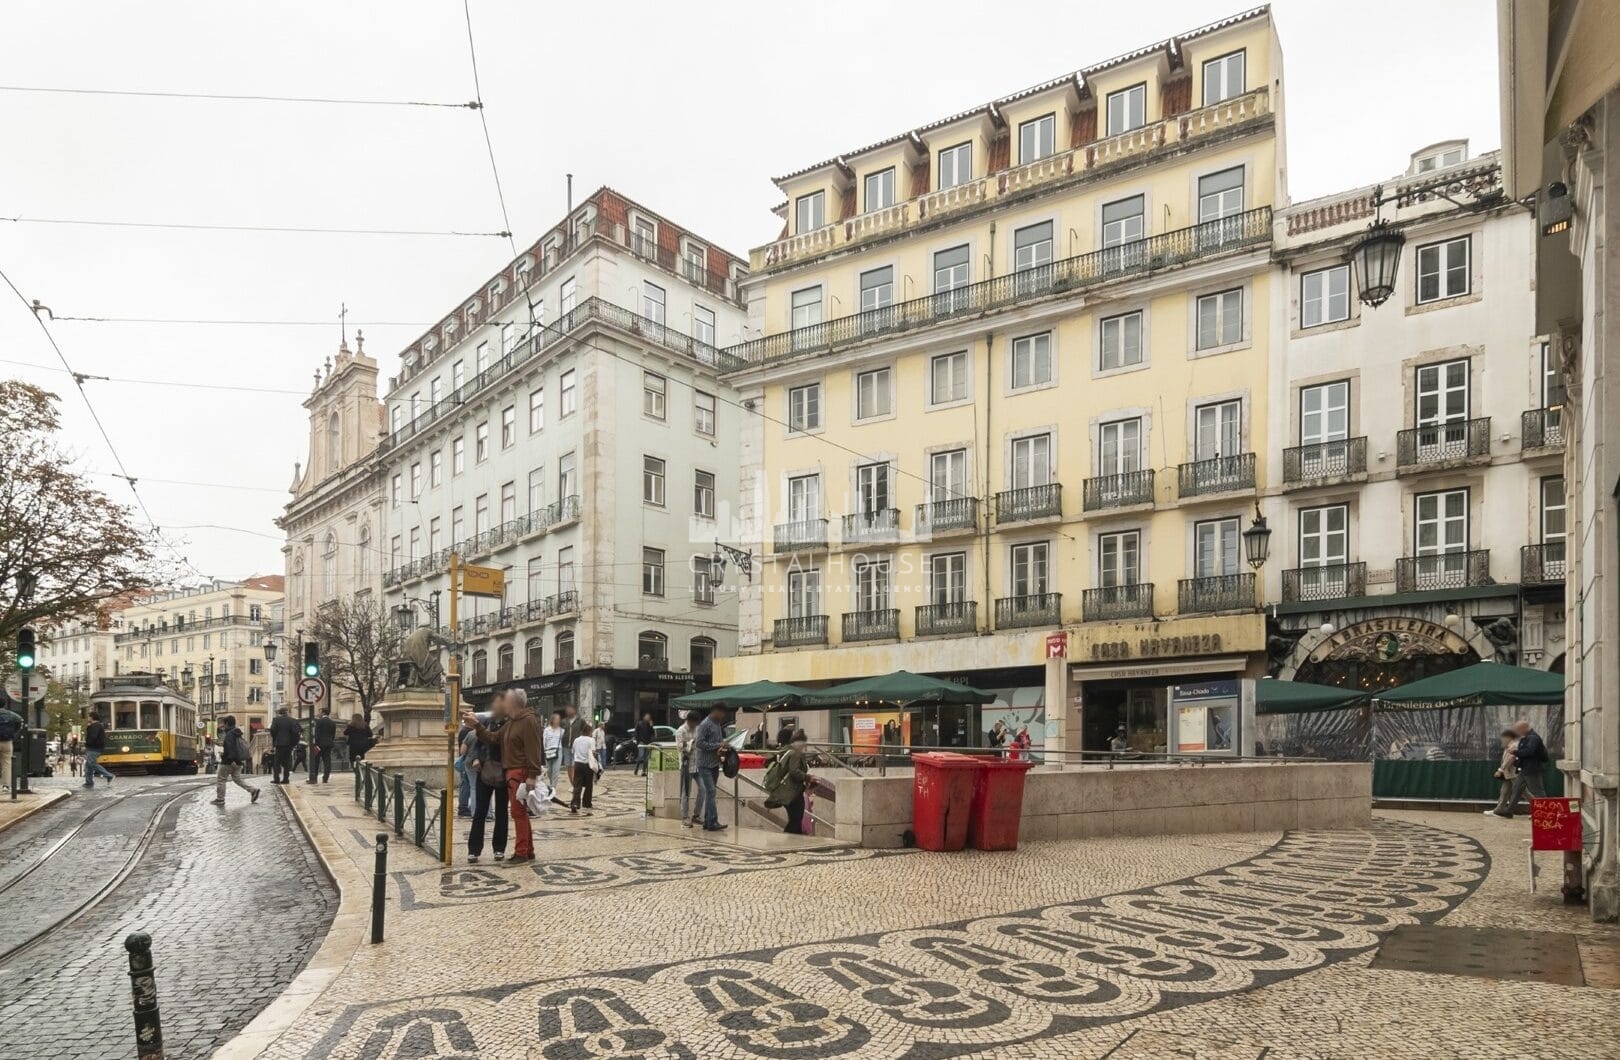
533,653
334,444
565,652
362,550
702,658
652,648
480,668
503,663
329,567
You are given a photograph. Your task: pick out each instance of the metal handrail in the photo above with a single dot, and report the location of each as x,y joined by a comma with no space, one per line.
1109,759
736,797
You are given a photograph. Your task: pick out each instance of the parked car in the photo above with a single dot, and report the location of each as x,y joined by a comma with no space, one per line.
624,751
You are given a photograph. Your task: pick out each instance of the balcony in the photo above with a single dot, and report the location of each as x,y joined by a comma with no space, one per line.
872,625
801,536
1124,490
563,603
1444,570
1444,443
1039,609
1542,429
936,620
1030,502
1219,592
798,632
874,527
948,517
1325,460
1221,474
1542,564
1332,581
1251,228
653,662
565,662
1114,602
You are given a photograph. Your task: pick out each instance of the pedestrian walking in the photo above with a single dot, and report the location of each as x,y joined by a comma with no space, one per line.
1506,770
210,755
686,750
787,779
323,738
465,741
11,723
599,742
233,756
1530,756
711,738
584,771
489,788
285,733
644,741
519,745
573,726
95,742
358,736
551,743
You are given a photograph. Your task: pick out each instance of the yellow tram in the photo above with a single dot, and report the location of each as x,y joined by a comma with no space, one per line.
151,727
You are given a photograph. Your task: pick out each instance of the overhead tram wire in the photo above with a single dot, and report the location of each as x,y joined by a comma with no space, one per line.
489,145
277,229
85,377
216,322
225,97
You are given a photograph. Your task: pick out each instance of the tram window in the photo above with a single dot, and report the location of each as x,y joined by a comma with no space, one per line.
149,716
125,716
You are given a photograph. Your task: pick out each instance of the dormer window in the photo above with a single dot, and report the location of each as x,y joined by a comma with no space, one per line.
1223,78
429,344
955,165
879,190
809,212
1440,158
1037,139
697,261
1127,109
645,238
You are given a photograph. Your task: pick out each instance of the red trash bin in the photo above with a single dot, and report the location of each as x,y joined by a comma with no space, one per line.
941,799
998,803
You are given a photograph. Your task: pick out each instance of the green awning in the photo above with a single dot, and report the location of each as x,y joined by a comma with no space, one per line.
899,688
751,696
1300,697
1482,684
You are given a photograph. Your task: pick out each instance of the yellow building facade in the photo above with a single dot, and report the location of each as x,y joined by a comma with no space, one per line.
1011,378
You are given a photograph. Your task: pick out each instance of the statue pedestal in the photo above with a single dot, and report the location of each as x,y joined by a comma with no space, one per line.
414,743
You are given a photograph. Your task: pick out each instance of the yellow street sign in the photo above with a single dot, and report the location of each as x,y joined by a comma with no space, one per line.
483,581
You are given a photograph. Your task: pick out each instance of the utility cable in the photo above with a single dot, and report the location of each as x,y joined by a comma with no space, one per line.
489,145
246,323
283,229
236,98
82,378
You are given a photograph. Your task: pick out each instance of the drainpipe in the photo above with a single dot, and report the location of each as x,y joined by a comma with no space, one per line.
989,446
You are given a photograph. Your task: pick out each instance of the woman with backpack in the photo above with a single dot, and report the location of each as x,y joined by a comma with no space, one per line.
489,786
786,780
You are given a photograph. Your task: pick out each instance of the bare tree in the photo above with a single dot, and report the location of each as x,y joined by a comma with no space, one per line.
80,547
360,648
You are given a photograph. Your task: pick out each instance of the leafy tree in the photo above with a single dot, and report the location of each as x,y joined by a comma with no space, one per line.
360,648
80,547
64,708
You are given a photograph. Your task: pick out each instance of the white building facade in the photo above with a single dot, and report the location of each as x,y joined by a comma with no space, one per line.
566,424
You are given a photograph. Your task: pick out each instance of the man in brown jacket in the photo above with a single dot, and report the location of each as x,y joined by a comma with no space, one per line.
519,742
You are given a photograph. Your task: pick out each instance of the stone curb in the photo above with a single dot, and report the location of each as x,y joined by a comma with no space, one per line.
35,804
350,928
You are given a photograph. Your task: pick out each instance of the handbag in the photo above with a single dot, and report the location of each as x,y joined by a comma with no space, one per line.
490,774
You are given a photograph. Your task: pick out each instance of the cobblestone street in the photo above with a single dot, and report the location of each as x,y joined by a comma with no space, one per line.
232,896
626,939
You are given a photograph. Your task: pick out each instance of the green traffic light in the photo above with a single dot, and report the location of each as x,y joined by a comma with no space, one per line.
310,670
25,649
25,662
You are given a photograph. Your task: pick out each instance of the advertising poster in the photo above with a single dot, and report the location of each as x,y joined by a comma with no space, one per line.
1014,709
1206,716
1191,729
868,732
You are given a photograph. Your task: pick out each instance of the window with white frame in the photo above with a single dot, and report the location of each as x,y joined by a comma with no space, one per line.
645,238
809,212
414,553
396,419
1220,319
568,294
955,165
458,456
1032,360
878,190
508,426
703,328
804,498
872,586
804,407
1124,221
537,410
565,571
569,397
874,393
1032,461
567,477
1215,548
947,578
481,443
508,502
1119,342
703,412
951,269
435,391
877,288
804,593
481,358
947,378
1223,78
458,525
652,302
396,490
1119,447
1442,394
652,480
696,261
1324,413
481,513
805,308
1441,526
652,571
702,579
416,479
435,534
653,388
1443,270
947,475
458,375
1029,570
1037,139
1554,509
1220,195
1119,558
1218,430
537,489
1324,541
1324,296
508,338
1127,109
1032,256
436,468
873,488
703,494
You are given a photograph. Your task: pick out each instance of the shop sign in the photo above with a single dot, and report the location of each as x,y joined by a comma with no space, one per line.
1389,639
1057,645
1165,640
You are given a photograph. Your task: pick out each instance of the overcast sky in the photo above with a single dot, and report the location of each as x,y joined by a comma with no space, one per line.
688,107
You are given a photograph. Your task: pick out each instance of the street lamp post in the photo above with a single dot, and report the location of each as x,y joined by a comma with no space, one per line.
1257,544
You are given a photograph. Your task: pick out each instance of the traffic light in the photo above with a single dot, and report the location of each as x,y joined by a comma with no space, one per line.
312,659
26,652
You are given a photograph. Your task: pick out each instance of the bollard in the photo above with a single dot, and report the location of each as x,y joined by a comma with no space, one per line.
420,805
399,805
379,888
143,985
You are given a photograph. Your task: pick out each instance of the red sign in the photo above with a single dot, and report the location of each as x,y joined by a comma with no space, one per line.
1555,824
1057,645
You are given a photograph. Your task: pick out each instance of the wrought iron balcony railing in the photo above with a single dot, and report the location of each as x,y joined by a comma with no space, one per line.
1542,428
1117,601
799,536
797,632
1220,474
942,517
1123,490
1542,564
1332,581
934,620
1037,609
871,527
1321,460
1219,592
883,624
1443,570
1438,443
1030,502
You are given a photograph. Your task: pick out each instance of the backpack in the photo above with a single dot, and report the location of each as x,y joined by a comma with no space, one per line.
10,725
776,773
236,749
